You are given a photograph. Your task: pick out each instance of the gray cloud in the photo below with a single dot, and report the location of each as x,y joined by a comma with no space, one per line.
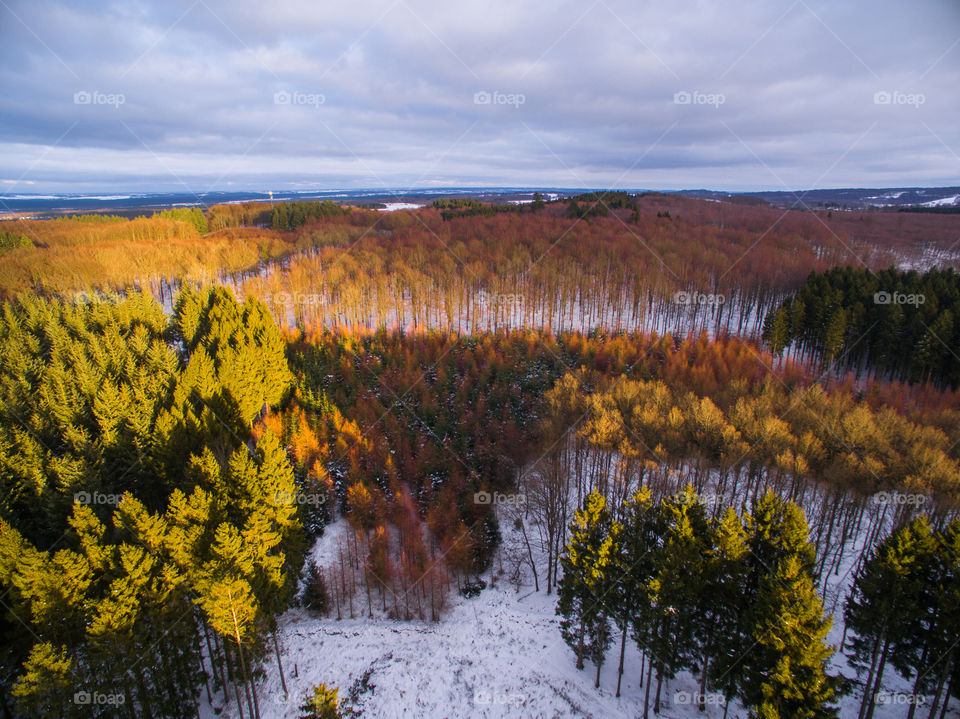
383,93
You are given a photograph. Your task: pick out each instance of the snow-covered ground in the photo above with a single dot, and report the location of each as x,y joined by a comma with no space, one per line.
927,258
942,202
394,206
499,654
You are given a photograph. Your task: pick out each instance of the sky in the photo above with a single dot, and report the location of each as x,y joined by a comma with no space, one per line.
204,95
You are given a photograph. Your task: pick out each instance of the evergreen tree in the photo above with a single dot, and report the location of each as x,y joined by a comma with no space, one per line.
321,704
681,586
724,634
785,672
946,616
586,579
777,330
45,689
883,615
315,596
634,540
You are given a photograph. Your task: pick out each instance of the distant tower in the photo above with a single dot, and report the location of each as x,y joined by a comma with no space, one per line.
271,196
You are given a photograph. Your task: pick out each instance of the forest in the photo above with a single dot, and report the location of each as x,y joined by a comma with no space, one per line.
900,324
213,419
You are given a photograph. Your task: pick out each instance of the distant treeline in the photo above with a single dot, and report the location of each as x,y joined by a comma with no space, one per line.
901,324
944,210
590,204
465,207
192,215
599,204
290,216
283,216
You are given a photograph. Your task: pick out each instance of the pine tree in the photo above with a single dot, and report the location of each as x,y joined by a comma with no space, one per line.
586,579
946,614
777,330
917,627
835,335
315,596
321,704
681,581
882,611
785,672
723,633
634,540
45,689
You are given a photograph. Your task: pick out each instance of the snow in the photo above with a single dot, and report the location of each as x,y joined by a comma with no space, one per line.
499,654
929,257
393,206
943,201
29,197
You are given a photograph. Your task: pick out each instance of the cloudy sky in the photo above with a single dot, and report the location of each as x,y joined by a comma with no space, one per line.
203,95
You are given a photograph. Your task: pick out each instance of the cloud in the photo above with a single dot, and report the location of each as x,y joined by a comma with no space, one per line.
390,93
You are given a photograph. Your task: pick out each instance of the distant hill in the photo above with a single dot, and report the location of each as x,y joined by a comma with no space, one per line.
844,199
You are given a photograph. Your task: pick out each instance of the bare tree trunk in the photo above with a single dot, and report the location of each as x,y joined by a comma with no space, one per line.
276,649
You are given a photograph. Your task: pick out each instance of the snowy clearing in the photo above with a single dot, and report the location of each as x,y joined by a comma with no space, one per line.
497,655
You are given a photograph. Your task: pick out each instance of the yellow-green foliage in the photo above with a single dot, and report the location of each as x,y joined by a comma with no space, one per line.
70,255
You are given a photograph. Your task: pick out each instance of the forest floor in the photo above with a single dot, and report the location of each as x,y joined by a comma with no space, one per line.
499,654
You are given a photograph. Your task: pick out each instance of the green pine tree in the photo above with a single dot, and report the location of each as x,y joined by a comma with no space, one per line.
586,579
322,703
785,672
